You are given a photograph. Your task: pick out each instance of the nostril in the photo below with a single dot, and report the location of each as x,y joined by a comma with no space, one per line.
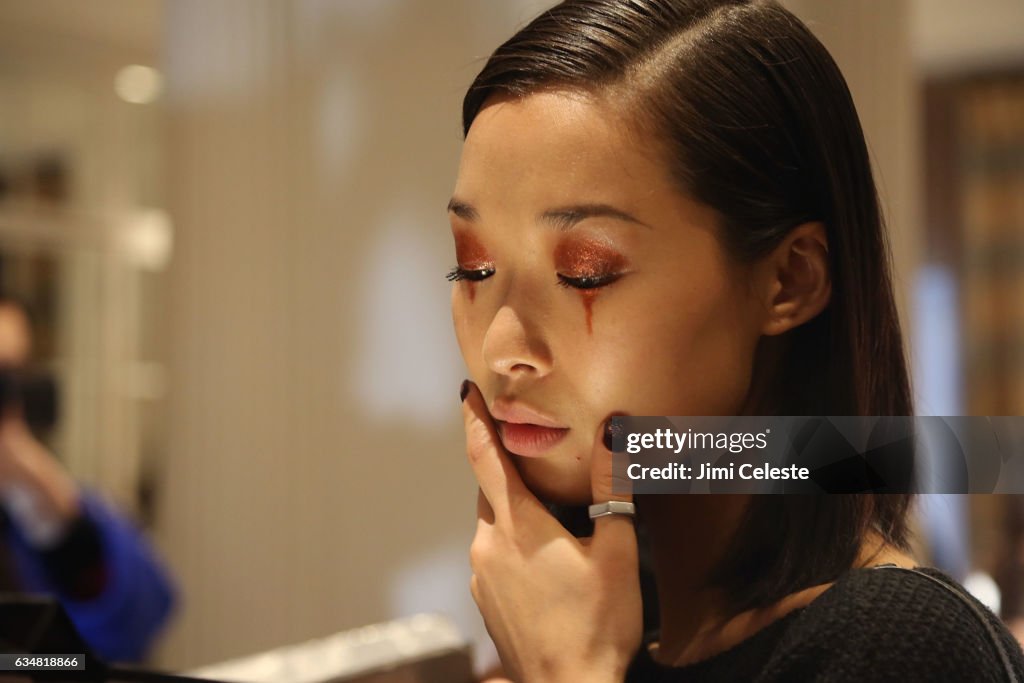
512,346
513,367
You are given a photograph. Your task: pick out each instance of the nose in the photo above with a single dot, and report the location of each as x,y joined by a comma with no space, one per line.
512,349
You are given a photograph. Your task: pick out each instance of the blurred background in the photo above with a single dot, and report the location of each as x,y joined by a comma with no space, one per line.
228,219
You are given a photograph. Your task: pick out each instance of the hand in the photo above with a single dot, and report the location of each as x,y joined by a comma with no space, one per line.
494,675
558,608
30,475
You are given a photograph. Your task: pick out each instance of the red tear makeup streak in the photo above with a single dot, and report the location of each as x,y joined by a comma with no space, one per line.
471,255
588,296
578,258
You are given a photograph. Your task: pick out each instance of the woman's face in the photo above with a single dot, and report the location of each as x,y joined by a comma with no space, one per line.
589,286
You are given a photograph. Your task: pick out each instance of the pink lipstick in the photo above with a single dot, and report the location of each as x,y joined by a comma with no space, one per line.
529,440
524,430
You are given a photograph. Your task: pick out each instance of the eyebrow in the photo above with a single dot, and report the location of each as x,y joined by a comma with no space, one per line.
562,219
462,210
567,217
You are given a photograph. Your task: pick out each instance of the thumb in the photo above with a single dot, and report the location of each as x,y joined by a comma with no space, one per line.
608,483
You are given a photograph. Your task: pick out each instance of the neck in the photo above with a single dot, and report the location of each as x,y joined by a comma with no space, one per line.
683,557
694,619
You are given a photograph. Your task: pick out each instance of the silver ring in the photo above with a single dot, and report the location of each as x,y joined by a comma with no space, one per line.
612,507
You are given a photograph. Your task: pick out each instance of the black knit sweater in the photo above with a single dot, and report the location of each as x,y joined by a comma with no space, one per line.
871,625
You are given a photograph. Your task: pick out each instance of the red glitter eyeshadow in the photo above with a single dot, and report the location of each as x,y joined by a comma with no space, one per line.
471,255
576,258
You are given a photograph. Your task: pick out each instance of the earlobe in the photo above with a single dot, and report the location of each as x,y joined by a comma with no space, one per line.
800,284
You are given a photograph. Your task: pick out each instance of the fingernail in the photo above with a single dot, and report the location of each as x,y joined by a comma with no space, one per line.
610,430
464,390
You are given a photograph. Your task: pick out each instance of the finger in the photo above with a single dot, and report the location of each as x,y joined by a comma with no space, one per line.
611,532
497,476
605,483
484,511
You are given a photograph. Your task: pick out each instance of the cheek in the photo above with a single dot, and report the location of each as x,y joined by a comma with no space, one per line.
465,332
689,353
707,370
564,480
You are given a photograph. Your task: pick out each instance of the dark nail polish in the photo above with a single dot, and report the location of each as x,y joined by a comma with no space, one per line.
464,390
610,430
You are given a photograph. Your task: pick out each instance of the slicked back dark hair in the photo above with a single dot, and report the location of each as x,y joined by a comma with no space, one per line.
757,122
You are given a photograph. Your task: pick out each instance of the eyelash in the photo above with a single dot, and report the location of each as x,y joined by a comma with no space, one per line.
588,282
457,273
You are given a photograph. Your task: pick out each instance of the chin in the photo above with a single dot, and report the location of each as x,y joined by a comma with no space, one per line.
556,482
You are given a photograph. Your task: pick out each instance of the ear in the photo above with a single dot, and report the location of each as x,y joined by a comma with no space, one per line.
795,278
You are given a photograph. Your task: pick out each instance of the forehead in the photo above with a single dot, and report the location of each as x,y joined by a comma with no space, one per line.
555,146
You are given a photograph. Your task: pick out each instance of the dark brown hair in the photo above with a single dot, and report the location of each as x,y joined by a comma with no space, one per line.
757,122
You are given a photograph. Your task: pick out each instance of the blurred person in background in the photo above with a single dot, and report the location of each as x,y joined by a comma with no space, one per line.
60,539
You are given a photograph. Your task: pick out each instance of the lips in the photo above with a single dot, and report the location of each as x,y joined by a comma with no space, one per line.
524,430
528,439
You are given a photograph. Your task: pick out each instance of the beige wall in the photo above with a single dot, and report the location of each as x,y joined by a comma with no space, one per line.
953,36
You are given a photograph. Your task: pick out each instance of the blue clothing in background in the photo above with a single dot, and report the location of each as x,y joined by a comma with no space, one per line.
137,595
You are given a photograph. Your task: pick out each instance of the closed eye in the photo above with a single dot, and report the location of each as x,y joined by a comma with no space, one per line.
473,275
588,281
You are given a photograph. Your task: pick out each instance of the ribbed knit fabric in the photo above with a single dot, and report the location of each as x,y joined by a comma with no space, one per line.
871,625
